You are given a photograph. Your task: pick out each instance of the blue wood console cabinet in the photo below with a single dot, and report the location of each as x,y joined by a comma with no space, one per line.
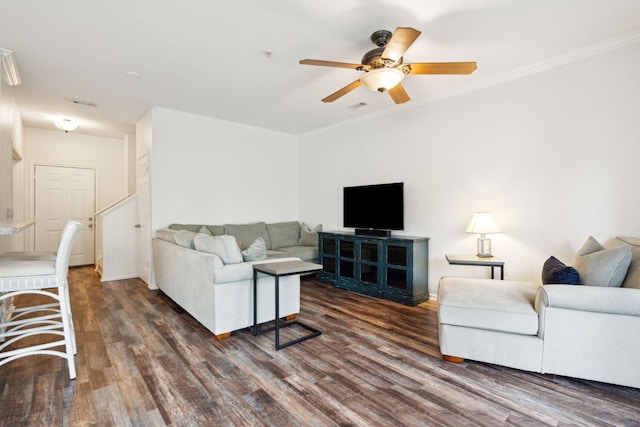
394,268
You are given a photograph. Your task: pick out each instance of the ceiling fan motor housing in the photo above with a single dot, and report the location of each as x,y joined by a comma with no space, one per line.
373,58
381,37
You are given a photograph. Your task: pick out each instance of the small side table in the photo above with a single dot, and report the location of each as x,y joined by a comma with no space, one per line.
477,261
277,270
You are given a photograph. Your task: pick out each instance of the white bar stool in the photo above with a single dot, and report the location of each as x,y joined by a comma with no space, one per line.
31,273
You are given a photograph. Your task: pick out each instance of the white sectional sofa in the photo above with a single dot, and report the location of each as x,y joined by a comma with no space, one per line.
211,277
589,330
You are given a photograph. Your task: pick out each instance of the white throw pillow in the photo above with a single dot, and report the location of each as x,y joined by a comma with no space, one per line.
256,251
226,247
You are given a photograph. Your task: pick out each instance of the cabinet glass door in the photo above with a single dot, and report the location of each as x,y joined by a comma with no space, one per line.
398,273
329,265
347,256
328,254
397,278
369,262
397,255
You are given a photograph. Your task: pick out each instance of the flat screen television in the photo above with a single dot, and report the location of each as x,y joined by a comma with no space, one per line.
369,208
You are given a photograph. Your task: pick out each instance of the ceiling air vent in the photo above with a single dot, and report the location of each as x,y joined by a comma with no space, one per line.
80,102
356,106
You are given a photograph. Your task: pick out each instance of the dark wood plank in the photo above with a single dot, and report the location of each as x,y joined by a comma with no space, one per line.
142,360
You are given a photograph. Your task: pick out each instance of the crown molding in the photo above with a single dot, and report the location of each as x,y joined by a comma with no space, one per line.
548,64
221,121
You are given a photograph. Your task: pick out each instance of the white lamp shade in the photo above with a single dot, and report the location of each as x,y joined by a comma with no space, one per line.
482,223
66,125
382,79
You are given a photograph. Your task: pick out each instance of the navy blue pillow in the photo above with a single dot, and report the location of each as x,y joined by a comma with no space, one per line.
556,272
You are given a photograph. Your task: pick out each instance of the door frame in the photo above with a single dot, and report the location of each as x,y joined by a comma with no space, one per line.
31,238
144,245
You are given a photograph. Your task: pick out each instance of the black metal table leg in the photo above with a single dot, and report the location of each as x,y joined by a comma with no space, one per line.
255,306
300,268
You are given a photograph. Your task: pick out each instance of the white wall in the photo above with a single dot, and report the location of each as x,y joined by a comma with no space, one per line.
554,156
106,155
131,162
207,171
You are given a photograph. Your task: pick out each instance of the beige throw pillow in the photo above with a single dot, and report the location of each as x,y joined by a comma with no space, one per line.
256,251
225,247
184,238
598,266
309,236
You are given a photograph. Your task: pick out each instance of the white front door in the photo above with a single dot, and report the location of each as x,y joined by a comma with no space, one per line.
143,219
63,194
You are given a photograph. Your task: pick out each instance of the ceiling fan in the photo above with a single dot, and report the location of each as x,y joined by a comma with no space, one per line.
383,67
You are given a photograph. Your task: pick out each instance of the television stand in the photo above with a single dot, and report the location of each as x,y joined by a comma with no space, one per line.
372,232
394,268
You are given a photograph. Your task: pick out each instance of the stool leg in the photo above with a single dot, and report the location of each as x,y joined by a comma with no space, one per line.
67,328
73,330
3,314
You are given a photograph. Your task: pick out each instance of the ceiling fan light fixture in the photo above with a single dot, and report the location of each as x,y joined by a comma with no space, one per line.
66,125
382,79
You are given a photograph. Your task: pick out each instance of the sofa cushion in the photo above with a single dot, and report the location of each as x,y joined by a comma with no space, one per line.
216,230
246,234
497,305
632,280
256,251
598,266
308,235
190,227
184,238
556,272
30,264
283,234
305,253
223,246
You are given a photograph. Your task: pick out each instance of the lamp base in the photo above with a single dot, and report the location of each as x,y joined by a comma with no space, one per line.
484,248
484,255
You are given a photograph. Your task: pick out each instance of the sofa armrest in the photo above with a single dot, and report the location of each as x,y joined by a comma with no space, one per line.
623,301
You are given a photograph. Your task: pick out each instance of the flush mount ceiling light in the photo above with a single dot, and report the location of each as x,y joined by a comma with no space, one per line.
382,79
10,67
67,125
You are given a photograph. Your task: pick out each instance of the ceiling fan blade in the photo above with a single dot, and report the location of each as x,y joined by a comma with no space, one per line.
398,94
399,43
345,90
443,68
330,64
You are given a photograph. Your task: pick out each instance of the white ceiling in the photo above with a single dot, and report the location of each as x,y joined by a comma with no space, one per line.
209,57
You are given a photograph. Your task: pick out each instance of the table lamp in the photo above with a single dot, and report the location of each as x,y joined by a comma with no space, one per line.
483,223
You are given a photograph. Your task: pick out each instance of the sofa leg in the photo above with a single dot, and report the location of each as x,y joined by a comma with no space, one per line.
452,359
291,317
222,336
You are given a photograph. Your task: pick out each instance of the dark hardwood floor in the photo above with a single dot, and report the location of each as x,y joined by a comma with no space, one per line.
142,361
